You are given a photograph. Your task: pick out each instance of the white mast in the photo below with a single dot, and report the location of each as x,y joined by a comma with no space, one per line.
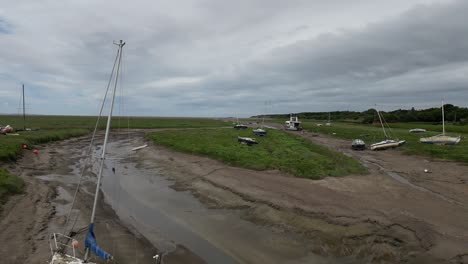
443,119
103,155
381,123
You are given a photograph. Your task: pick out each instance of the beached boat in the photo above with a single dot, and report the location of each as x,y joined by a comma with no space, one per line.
441,139
387,143
247,140
417,130
328,123
358,144
240,126
293,123
259,132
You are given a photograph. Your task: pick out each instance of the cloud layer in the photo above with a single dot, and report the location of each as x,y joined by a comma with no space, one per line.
218,58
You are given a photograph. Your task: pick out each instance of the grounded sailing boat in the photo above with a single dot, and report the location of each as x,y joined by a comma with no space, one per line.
63,246
441,139
260,131
387,143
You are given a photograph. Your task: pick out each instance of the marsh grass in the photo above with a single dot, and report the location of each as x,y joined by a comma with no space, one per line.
9,184
400,130
278,150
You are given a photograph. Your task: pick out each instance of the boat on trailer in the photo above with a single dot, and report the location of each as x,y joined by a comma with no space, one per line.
441,139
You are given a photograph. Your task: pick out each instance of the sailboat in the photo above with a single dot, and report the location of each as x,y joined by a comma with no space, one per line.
239,125
329,120
260,131
441,139
387,143
63,246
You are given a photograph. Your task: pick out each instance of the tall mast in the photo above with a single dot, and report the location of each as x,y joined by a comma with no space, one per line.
443,119
106,136
381,123
24,112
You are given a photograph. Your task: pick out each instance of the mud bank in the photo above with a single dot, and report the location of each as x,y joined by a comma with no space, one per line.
28,220
396,213
202,211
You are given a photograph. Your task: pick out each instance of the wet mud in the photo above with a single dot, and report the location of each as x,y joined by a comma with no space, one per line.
198,210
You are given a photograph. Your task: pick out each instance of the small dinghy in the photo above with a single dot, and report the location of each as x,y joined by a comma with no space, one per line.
259,132
358,144
240,126
247,140
417,130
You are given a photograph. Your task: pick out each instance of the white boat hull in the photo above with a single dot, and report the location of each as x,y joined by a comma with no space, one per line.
386,144
440,140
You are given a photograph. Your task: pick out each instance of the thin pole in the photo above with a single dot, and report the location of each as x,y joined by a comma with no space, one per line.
106,136
381,123
24,111
443,119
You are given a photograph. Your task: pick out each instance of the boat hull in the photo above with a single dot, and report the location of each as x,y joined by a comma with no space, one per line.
358,144
387,144
259,132
246,140
440,140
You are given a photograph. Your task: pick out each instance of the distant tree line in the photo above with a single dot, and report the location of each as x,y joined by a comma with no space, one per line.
432,115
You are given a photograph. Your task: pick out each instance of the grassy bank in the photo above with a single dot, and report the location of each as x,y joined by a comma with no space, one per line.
9,184
400,130
278,150
88,122
61,127
10,146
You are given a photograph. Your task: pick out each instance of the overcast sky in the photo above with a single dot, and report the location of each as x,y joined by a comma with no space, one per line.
227,58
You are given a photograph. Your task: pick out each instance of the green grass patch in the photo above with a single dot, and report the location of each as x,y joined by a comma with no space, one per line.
400,130
88,122
54,128
10,146
9,184
278,150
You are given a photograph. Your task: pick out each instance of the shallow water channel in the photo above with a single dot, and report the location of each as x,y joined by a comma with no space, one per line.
143,199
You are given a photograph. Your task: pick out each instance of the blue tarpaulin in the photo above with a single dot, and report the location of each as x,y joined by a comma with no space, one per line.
90,242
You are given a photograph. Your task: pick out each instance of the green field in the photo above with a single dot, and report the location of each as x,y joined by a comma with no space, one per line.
278,150
88,122
400,130
9,184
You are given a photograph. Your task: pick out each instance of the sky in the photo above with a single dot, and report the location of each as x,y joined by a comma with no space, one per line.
215,58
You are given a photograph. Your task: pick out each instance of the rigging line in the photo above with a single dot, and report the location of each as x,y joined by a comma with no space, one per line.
19,110
106,137
88,154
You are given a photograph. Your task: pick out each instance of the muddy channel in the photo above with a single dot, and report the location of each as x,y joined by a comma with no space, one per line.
198,210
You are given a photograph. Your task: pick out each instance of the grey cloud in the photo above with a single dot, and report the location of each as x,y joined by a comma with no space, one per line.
301,55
